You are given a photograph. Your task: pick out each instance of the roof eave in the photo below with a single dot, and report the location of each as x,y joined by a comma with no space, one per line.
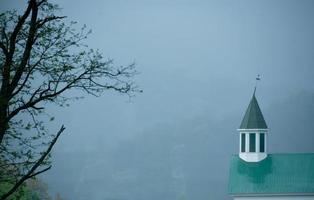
252,129
271,194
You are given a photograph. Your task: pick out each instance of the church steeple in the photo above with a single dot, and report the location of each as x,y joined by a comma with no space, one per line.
253,133
253,118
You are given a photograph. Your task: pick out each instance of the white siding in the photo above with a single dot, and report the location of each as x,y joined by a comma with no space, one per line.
276,198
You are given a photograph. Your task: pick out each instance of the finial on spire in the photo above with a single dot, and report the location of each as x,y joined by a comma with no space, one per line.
258,78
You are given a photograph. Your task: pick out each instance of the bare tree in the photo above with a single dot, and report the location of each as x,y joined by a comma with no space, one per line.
42,58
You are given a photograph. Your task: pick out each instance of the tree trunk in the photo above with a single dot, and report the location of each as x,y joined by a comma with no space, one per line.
3,116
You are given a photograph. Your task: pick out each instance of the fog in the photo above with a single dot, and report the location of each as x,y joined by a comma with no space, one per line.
197,61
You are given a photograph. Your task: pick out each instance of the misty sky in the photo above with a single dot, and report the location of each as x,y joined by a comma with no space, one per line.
197,61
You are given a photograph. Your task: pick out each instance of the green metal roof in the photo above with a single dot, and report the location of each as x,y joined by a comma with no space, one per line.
276,174
253,118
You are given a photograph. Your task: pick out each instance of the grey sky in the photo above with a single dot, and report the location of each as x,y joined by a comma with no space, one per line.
198,61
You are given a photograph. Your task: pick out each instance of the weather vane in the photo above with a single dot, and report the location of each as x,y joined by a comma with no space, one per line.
258,78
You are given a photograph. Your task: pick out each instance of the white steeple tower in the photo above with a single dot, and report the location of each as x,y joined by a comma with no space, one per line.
253,134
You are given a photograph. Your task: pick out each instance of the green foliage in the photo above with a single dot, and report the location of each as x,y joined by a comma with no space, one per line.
23,193
33,189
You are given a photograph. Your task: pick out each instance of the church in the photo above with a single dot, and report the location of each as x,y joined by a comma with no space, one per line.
256,174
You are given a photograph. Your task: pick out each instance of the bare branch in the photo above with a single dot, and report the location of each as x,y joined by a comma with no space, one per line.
41,22
28,48
39,172
19,25
9,56
4,49
32,172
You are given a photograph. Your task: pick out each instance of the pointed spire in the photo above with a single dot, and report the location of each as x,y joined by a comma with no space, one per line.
253,118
